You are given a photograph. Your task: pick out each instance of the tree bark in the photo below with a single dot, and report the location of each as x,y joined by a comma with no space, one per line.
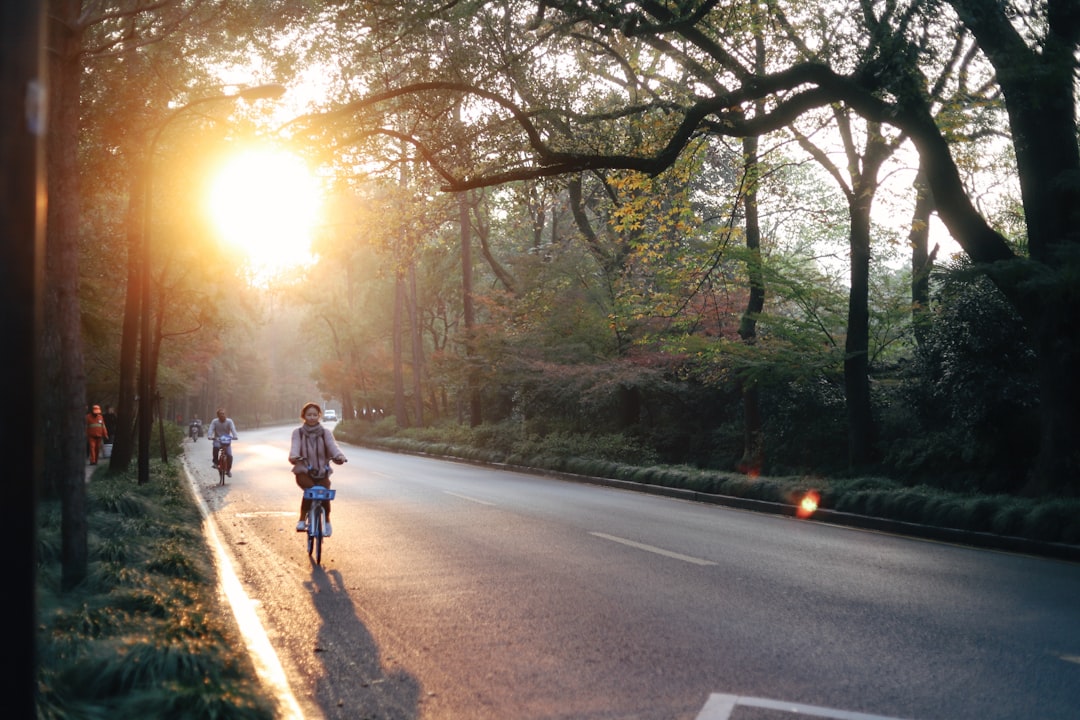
416,342
401,412
860,414
124,442
472,383
753,458
922,258
65,380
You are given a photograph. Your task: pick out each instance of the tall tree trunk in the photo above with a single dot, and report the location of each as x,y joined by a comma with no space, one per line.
472,383
401,413
65,380
861,435
124,442
922,258
753,457
155,353
417,343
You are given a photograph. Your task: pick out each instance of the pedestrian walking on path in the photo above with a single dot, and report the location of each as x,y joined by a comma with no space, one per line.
95,432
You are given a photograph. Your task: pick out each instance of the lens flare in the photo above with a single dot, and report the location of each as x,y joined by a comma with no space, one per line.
808,505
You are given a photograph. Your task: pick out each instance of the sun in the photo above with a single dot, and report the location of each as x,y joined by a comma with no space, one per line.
265,204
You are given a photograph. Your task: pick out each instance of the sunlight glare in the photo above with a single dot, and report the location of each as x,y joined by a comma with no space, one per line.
265,205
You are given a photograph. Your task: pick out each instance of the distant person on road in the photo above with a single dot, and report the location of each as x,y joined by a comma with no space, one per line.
220,427
95,432
313,449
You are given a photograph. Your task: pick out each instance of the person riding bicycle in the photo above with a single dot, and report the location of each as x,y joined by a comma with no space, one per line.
222,427
195,428
313,449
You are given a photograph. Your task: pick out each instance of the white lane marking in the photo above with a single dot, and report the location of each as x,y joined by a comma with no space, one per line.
653,549
1071,658
267,664
466,497
720,706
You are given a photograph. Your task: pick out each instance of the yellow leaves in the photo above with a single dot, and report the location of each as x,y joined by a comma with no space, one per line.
652,208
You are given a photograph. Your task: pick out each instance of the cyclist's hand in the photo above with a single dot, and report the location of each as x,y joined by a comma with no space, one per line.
340,460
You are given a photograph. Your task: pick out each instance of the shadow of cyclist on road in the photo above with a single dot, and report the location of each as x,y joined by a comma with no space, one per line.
355,683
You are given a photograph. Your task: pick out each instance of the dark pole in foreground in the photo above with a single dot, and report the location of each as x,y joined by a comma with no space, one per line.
22,232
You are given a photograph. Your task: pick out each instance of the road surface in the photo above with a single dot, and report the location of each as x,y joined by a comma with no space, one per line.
455,591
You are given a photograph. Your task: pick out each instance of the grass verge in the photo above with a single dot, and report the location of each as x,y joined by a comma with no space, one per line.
146,634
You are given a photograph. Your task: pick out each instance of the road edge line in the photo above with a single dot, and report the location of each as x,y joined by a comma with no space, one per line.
267,665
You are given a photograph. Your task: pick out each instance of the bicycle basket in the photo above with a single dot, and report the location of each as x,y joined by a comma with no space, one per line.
318,492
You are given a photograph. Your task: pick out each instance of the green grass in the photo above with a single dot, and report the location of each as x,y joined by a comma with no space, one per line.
145,635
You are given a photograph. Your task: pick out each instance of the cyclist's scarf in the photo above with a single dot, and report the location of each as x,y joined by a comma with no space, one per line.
313,447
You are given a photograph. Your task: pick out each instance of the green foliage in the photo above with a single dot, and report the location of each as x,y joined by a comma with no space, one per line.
144,635
966,408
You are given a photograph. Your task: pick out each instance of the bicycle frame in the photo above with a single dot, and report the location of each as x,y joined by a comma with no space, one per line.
316,518
224,452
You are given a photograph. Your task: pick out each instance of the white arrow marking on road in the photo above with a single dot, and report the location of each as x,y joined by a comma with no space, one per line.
720,707
653,549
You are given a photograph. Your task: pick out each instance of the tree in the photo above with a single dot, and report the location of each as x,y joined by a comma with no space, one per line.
64,403
1028,54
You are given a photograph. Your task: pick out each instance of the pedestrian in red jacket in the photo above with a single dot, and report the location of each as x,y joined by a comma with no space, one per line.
95,432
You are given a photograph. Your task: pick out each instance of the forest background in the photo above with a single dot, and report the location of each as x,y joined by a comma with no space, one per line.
678,233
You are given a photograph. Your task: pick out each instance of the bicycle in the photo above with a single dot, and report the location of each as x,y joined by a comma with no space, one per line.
316,519
225,441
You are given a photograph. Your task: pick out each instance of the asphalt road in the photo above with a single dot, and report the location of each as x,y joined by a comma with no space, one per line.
455,591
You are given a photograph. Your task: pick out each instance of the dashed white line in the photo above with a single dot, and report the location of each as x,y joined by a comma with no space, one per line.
470,499
653,549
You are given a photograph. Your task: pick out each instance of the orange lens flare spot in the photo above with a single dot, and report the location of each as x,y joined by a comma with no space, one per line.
808,505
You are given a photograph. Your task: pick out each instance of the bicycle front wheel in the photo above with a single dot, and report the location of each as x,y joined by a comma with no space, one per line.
311,533
320,517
